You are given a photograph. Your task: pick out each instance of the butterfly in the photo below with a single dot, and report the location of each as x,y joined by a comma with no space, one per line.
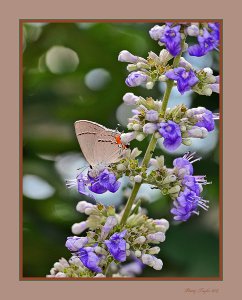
100,146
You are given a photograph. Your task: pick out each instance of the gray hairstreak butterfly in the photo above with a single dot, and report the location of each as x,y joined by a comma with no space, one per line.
100,146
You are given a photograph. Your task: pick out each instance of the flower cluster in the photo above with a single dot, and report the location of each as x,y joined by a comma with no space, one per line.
117,244
171,35
107,242
156,68
176,125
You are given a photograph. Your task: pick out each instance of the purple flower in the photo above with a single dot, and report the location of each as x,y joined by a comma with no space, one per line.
190,182
89,259
74,243
189,198
206,120
185,79
136,78
117,246
103,182
185,205
171,133
206,43
172,39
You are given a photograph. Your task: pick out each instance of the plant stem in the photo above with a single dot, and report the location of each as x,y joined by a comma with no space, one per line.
152,144
137,185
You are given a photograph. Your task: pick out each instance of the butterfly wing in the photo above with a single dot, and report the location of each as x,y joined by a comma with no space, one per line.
87,132
106,148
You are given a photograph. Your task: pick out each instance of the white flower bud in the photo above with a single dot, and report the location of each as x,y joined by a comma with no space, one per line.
126,56
99,275
78,228
157,32
157,135
165,56
100,250
137,178
137,253
135,152
184,63
121,167
214,87
169,178
52,271
137,127
82,205
174,189
162,78
157,237
130,99
131,67
60,274
130,126
149,128
154,250
126,138
208,71
163,222
158,264
149,85
207,91
140,137
58,266
127,246
140,240
142,65
128,253
198,132
193,30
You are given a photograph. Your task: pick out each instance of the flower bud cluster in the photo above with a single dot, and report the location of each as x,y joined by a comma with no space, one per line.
170,35
176,126
145,71
106,242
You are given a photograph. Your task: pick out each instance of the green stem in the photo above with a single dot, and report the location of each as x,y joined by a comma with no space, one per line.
137,185
152,144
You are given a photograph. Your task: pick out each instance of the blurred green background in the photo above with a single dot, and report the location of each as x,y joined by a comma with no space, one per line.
71,72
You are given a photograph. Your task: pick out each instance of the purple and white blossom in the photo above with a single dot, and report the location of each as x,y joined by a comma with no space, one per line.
90,259
171,133
172,39
157,32
185,79
117,246
136,79
126,56
130,99
206,43
74,243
